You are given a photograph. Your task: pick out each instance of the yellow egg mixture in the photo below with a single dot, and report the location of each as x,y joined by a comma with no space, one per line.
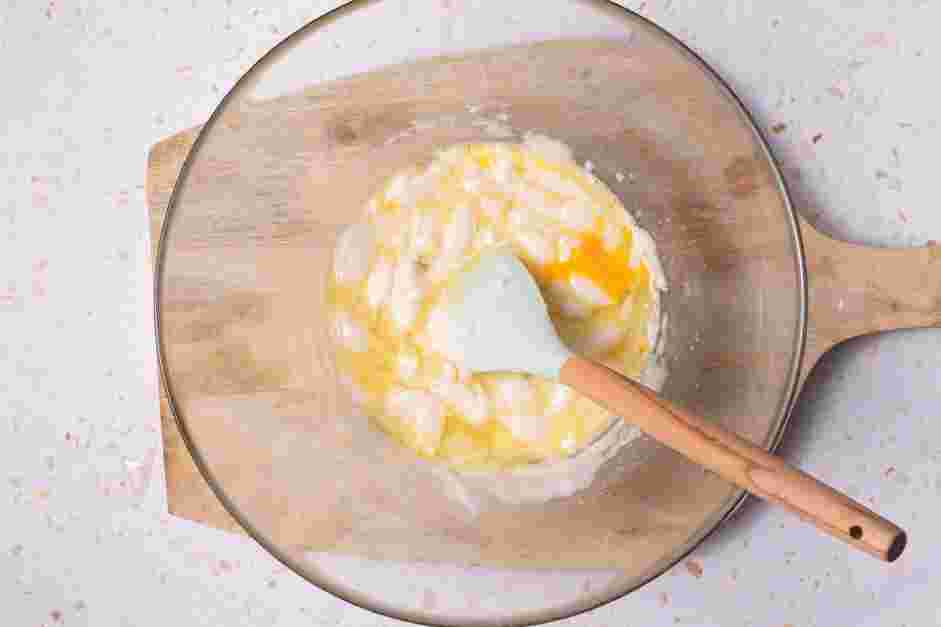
597,270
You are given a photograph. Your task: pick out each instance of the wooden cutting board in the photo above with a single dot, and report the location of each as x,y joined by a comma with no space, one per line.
853,290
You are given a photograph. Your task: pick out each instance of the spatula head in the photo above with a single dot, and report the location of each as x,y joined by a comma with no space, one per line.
499,321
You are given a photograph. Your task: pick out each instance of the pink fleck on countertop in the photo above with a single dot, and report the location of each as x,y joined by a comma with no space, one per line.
694,568
8,295
429,600
839,89
876,40
139,473
39,277
40,194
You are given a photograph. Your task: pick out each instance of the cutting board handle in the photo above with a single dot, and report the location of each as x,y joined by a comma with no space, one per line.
858,290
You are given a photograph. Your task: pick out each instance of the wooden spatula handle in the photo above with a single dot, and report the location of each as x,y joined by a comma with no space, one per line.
737,460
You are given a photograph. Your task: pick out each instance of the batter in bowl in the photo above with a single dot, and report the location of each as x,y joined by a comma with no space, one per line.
597,269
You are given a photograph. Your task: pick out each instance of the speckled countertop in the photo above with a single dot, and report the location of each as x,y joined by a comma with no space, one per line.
848,92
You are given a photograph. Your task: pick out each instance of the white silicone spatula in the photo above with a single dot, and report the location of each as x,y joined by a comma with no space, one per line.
498,321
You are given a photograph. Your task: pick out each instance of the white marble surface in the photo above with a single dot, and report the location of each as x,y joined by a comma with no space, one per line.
88,86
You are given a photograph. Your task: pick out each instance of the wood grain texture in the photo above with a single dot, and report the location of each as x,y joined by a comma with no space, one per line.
699,166
858,290
737,460
188,494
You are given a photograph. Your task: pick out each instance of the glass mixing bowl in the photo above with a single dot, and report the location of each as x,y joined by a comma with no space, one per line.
288,159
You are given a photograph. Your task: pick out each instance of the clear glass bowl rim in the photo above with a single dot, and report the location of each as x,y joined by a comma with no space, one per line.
723,513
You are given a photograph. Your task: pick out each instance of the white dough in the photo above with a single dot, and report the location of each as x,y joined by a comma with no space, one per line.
587,292
491,208
502,167
517,219
448,373
512,392
559,397
458,234
566,245
348,333
570,191
438,333
469,400
395,190
422,234
407,364
353,253
526,427
548,148
422,411
536,247
390,230
577,216
601,339
486,238
404,302
472,183
378,284
612,237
